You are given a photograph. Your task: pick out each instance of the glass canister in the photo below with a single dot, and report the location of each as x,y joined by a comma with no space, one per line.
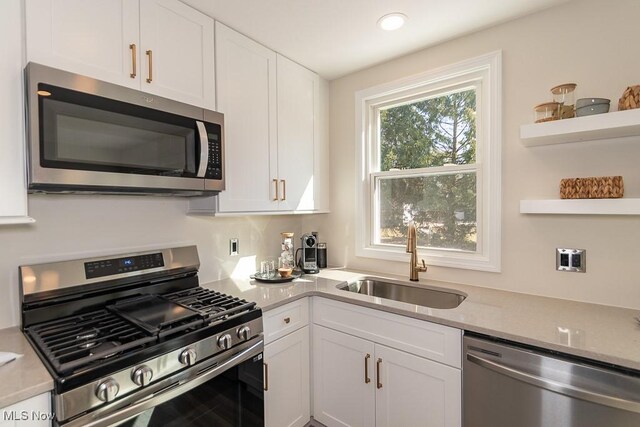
565,94
287,250
547,111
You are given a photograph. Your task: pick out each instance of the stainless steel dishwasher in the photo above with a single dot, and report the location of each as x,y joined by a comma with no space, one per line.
505,385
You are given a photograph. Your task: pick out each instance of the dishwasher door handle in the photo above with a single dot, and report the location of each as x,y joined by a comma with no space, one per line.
557,387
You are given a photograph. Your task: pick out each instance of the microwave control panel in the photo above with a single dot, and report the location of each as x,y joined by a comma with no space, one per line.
214,166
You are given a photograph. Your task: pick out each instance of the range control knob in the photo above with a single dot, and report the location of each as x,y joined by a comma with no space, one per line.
244,333
188,357
142,375
224,342
107,390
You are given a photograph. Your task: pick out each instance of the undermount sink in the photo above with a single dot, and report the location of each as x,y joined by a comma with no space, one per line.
383,288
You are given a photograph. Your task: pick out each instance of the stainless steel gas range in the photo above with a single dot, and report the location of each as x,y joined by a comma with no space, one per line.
133,339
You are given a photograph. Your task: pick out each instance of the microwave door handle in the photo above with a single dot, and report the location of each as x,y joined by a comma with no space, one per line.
204,149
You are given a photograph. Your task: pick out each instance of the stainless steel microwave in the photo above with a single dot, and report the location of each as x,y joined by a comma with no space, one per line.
86,135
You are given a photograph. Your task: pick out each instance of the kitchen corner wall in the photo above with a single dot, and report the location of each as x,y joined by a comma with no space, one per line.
590,42
71,227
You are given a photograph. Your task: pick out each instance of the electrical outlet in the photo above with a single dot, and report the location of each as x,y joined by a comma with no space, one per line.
573,260
234,246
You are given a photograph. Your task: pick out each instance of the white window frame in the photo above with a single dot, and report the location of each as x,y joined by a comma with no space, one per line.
483,73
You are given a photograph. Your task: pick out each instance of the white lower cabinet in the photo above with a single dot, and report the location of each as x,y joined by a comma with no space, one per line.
286,394
342,364
286,365
32,412
360,382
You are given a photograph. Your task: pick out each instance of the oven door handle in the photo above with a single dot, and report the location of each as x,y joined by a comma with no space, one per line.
204,149
169,392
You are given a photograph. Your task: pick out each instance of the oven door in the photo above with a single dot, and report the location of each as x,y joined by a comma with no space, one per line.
225,391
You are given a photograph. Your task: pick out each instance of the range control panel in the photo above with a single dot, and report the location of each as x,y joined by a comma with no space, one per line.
110,267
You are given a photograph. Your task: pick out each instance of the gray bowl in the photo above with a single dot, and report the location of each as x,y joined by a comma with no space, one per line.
584,102
590,110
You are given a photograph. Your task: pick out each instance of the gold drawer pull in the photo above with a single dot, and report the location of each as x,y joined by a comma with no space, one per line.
379,385
284,189
266,376
275,181
367,380
134,72
150,55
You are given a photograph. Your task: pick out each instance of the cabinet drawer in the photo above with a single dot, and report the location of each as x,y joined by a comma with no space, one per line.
286,319
436,342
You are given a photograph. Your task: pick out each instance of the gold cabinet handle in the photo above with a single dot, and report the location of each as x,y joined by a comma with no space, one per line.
367,380
284,189
287,320
275,181
134,55
150,56
266,376
379,385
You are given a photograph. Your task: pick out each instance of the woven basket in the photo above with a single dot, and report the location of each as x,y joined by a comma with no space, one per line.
602,187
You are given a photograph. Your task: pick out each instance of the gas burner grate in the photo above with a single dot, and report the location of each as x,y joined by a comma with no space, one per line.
214,305
77,341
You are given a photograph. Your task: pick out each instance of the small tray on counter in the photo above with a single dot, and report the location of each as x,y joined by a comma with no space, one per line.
277,278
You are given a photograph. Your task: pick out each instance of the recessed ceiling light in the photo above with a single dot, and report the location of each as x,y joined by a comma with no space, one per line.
392,21
43,93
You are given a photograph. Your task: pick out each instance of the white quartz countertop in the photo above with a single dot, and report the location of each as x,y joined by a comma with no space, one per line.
24,377
598,332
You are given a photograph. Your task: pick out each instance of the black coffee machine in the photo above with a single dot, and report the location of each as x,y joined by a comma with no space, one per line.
309,259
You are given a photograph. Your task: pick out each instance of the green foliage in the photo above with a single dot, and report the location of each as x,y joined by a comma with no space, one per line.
430,133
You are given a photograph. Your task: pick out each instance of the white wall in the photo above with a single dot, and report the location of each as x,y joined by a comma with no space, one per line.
590,42
70,227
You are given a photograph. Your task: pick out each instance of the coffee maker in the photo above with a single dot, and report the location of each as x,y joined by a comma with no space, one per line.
309,259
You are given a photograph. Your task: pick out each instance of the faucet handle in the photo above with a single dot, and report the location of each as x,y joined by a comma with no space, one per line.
423,268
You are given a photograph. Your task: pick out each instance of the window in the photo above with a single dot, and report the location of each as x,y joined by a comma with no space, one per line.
429,152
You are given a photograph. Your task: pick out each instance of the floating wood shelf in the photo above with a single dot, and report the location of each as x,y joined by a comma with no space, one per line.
581,206
618,124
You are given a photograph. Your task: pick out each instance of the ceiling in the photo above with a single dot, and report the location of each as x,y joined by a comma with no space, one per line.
337,37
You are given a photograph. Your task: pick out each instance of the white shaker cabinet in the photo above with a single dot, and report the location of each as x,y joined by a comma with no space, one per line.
177,52
286,365
13,189
275,131
298,106
246,81
343,388
372,368
158,46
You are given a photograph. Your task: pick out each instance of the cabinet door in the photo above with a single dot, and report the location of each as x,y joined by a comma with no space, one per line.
92,38
298,104
13,190
341,394
177,52
286,398
246,81
414,391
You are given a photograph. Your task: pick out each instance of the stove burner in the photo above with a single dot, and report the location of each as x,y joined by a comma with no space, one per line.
88,337
107,348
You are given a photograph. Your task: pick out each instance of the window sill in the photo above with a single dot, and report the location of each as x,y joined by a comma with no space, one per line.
443,258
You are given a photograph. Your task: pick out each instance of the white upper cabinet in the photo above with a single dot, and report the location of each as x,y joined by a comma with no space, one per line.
127,42
178,52
246,80
275,131
13,190
85,37
298,104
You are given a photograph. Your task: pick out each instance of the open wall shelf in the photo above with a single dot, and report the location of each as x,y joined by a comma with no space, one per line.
581,207
618,124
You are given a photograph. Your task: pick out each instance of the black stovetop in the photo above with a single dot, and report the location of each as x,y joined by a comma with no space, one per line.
135,326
